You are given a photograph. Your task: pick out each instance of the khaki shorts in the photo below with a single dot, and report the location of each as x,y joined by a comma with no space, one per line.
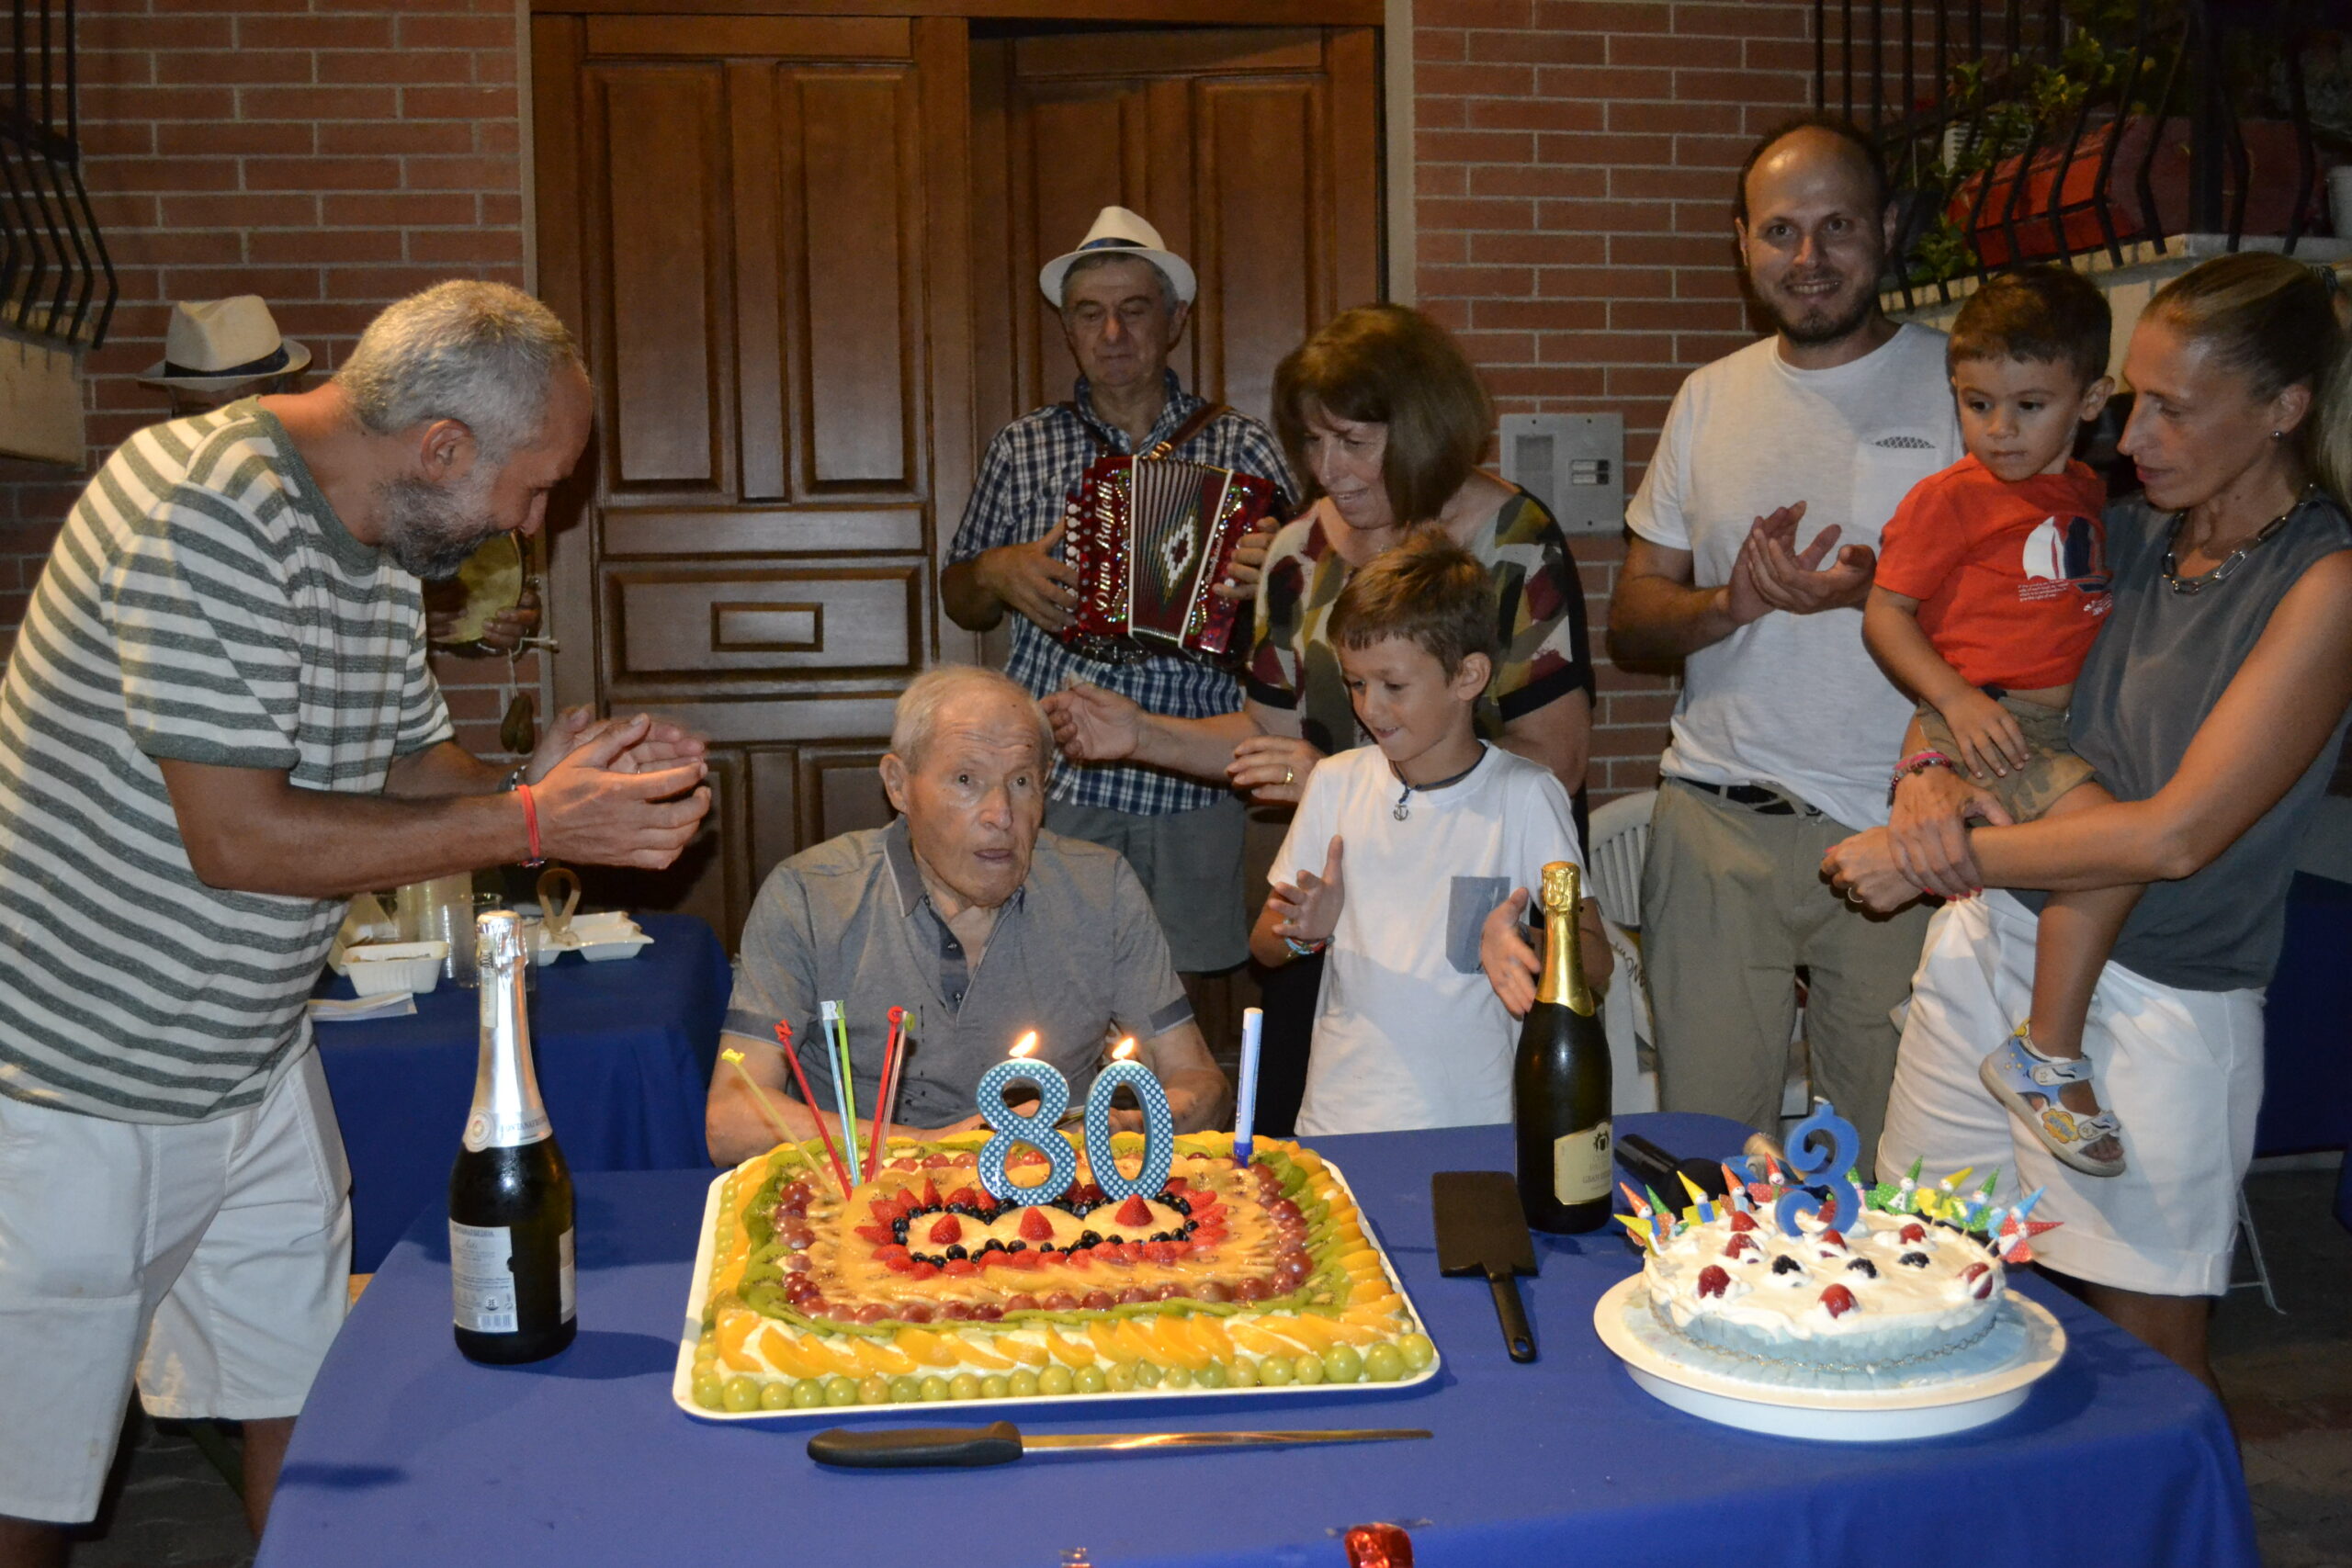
207,1260
2051,770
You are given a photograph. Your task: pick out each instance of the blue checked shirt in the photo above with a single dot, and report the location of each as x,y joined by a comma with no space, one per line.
1029,473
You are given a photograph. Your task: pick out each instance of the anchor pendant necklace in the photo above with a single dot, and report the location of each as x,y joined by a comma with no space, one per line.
1403,806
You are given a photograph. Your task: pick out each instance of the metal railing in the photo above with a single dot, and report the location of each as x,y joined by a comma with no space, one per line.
57,282
2024,129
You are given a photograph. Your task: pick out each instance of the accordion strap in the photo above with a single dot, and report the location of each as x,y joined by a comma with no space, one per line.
1201,418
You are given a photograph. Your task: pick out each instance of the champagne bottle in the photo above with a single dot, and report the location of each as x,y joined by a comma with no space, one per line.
510,1195
1560,1083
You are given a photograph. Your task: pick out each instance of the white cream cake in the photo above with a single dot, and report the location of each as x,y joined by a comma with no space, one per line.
1896,1288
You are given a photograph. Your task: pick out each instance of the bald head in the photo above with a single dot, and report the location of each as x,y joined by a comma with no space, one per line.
1807,141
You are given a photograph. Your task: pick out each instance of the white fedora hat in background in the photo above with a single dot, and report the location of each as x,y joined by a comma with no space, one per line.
1118,229
216,343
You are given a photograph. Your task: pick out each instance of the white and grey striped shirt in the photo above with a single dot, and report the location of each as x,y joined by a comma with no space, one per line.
203,603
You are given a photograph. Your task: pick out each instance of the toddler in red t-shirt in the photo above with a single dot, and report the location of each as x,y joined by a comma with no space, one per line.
1991,586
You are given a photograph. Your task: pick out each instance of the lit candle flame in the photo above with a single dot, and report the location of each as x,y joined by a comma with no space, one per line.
1124,1050
1026,1045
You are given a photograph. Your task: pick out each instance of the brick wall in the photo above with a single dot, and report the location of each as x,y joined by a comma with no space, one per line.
1574,164
330,155
1575,160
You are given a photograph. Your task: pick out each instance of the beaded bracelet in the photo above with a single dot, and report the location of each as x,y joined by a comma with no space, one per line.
1917,762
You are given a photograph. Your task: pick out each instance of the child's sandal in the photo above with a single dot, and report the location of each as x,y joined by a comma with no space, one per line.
2016,1070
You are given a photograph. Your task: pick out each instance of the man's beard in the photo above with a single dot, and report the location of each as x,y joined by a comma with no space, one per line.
1812,331
430,529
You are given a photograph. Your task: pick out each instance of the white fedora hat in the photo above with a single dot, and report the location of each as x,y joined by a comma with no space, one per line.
216,343
1116,228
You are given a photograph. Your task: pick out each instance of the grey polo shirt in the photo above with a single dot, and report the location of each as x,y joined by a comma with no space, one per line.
1076,951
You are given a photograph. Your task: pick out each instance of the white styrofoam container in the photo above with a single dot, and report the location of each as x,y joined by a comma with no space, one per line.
378,967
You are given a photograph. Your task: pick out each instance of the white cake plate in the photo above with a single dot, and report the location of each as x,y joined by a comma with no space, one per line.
1691,1379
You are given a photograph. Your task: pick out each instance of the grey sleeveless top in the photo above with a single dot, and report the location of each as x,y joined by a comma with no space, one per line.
2160,664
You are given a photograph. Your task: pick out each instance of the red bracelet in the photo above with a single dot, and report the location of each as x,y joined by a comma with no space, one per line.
1917,762
531,821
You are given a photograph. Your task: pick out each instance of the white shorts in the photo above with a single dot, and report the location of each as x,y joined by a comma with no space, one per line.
210,1258
2181,1069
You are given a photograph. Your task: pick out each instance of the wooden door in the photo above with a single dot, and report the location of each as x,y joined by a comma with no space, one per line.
1254,151
757,227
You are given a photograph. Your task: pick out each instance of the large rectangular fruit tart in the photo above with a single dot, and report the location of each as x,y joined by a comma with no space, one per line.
921,1288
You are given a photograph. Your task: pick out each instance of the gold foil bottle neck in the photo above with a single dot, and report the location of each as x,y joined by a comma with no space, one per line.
1562,887
1563,978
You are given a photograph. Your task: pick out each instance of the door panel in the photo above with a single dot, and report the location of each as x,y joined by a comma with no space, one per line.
840,789
1254,182
670,624
860,217
660,146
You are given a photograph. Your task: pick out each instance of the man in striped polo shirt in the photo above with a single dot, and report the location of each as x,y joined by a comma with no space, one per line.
217,724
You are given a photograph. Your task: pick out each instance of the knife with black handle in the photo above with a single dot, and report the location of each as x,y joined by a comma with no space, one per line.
1002,1442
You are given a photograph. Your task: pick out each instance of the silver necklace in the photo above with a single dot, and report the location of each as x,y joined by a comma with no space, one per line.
1403,808
2229,563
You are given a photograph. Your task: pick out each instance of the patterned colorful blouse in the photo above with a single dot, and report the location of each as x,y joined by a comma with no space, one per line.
1539,622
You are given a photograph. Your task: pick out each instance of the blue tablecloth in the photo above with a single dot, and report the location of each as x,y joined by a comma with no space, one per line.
2307,1072
407,1454
624,1052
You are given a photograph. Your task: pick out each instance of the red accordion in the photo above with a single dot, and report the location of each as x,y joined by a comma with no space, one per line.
1150,537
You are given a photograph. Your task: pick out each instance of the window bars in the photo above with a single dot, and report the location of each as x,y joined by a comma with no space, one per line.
2022,129
57,283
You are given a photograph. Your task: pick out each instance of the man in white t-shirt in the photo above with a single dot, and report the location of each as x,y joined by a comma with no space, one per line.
1754,536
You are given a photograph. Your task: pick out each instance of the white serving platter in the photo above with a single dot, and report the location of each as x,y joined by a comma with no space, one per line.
1983,1385
682,1381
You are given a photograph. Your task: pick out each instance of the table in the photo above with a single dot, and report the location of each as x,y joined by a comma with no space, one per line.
624,1052
407,1454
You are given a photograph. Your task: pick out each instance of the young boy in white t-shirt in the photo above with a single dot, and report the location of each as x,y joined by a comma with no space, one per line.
1436,830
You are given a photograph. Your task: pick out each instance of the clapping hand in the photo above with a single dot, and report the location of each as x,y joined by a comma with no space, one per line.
1272,769
1309,909
661,745
1788,578
1091,725
1504,953
592,812
1513,966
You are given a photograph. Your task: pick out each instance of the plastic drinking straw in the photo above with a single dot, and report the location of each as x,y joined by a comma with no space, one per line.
760,1094
845,1092
784,1038
1245,1098
885,1102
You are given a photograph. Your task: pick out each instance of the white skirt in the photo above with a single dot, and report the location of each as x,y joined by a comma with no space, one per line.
2182,1069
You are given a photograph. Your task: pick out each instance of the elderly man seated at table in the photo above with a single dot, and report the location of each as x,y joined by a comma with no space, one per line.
966,916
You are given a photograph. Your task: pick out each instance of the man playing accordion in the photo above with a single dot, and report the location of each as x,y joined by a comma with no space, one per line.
1124,299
